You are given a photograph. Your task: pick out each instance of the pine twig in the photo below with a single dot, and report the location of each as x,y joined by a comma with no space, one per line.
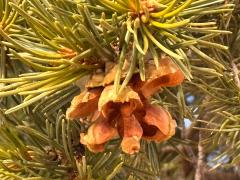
235,73
200,162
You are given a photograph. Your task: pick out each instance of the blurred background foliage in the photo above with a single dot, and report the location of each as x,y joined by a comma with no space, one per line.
47,45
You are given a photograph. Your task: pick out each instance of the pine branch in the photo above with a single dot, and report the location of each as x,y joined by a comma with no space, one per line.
47,45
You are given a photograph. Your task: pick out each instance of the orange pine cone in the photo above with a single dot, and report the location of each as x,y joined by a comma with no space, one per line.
130,114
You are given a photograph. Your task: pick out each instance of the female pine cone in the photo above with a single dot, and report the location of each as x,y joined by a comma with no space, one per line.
130,115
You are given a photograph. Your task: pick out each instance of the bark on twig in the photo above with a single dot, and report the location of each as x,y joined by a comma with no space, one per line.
235,73
200,162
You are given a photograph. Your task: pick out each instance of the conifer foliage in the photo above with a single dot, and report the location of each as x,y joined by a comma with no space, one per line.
119,89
